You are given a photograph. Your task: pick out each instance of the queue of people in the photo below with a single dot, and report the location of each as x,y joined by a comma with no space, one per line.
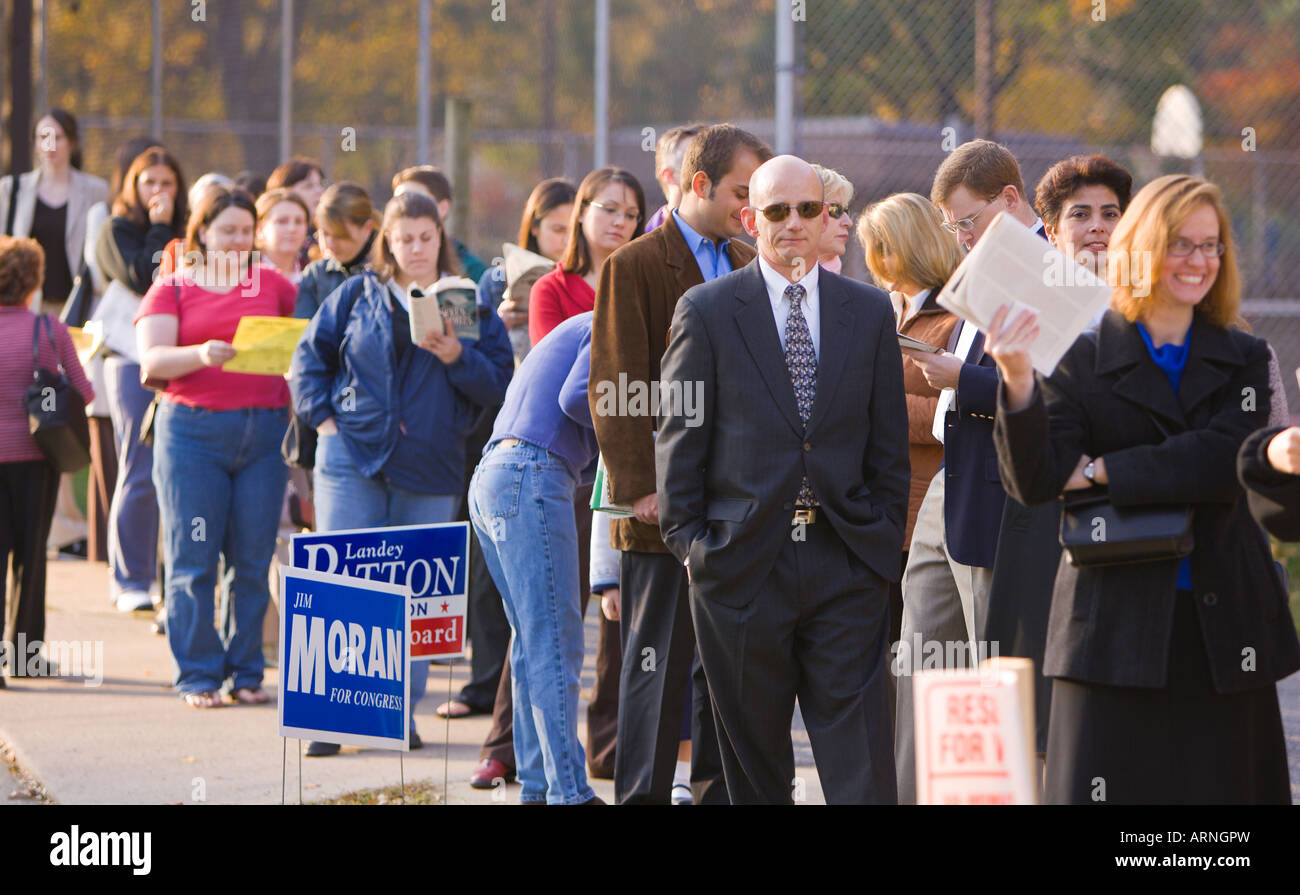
820,500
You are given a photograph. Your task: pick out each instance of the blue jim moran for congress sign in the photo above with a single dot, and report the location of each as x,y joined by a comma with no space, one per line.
431,560
344,659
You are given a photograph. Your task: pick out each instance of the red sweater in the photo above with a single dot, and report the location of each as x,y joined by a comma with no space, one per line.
16,443
555,298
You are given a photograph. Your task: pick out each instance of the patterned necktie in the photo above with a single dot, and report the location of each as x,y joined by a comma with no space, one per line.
801,361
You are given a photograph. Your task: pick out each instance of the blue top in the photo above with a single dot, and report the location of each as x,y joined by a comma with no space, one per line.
714,260
546,403
1171,359
403,418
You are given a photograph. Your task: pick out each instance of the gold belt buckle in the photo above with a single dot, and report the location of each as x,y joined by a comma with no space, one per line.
804,516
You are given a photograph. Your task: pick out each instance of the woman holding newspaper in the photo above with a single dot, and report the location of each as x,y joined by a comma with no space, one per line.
391,400
217,466
1165,667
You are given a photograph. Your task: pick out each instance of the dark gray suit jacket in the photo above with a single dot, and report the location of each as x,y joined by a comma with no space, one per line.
727,485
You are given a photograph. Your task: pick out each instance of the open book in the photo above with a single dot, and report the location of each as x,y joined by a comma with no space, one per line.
1010,265
452,298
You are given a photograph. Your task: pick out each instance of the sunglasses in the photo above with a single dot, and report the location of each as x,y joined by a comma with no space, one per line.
836,210
781,210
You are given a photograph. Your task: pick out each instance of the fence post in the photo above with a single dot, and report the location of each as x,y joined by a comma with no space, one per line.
459,140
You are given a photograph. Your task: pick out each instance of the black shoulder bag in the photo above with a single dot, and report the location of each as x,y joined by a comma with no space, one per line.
1095,532
56,412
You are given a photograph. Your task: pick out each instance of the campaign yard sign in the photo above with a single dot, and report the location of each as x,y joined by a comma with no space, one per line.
344,659
971,741
431,560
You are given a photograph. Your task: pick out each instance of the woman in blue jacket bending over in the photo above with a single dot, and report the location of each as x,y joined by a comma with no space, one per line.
392,415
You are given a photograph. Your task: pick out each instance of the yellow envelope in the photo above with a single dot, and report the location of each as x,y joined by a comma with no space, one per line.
86,343
265,345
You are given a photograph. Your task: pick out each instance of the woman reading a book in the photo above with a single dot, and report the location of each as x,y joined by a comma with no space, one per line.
392,412
910,255
216,461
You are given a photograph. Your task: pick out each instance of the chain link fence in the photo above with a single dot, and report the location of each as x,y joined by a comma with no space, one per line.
883,90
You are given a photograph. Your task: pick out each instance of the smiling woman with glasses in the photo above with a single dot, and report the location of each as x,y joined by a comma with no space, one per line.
1154,690
837,193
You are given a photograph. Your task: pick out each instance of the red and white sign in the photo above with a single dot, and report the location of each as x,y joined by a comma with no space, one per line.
970,739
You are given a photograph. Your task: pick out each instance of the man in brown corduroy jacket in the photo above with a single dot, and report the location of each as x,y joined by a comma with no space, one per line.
638,290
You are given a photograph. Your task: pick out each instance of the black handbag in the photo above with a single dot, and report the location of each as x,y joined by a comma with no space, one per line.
1095,532
299,445
56,412
81,300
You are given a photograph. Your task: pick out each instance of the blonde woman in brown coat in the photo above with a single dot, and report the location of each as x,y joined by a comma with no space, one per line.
909,254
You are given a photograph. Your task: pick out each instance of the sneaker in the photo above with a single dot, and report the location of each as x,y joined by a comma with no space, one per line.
317,749
134,601
74,550
414,741
682,794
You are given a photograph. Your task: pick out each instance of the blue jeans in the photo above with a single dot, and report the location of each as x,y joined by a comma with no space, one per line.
220,481
133,512
521,504
347,499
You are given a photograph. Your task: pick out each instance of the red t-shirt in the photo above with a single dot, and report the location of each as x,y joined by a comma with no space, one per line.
555,298
203,315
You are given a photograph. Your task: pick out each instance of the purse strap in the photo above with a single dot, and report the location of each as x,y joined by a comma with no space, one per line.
13,205
36,346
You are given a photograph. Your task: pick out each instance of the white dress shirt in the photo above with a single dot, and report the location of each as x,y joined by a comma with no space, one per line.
911,304
776,286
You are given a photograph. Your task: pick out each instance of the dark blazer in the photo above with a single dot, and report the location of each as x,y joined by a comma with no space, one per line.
1274,497
1112,624
638,289
973,494
727,487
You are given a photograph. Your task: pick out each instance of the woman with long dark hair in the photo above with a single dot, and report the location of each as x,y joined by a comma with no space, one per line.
392,414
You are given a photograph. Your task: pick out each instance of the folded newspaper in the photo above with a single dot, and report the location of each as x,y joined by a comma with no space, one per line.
600,499
452,298
1011,265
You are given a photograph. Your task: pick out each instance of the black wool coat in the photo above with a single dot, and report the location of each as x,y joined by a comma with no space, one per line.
1112,624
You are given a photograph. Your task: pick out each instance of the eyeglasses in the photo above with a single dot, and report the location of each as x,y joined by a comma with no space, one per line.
966,224
630,216
781,210
1181,248
836,210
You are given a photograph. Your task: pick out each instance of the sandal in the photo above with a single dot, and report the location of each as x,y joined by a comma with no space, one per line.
249,696
207,699
456,709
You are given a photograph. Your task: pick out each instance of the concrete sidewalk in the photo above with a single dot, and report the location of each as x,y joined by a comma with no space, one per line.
131,740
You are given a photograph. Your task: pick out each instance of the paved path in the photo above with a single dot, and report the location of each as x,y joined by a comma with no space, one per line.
130,740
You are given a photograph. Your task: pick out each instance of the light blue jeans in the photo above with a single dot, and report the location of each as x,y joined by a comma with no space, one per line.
347,499
220,482
521,504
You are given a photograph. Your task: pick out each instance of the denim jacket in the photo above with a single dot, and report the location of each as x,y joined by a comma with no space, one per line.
405,424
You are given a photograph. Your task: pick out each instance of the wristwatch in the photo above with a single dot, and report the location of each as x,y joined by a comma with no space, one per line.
1090,470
